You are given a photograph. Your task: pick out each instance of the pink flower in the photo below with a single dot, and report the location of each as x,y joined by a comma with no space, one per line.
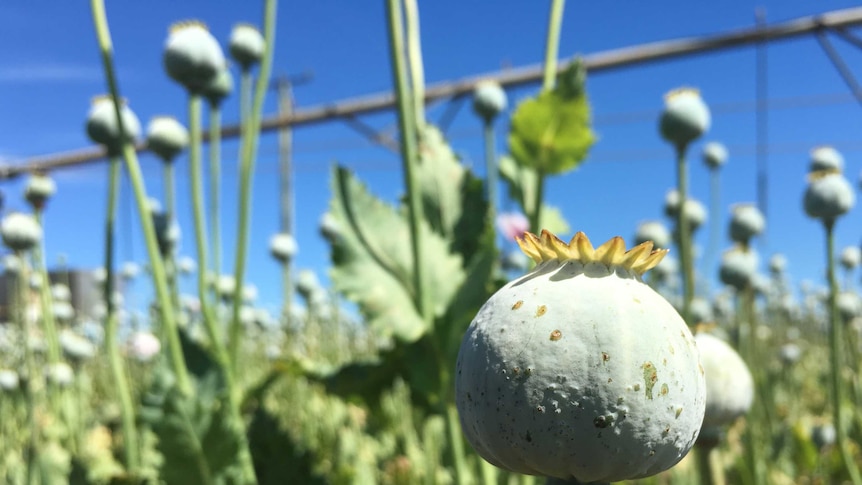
512,224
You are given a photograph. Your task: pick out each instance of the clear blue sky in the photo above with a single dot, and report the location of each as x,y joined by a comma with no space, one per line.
50,69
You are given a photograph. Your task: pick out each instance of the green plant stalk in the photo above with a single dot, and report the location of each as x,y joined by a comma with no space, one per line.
552,46
169,177
209,318
287,289
490,474
709,465
714,226
754,428
683,233
414,57
45,297
29,365
409,154
215,185
456,440
535,215
491,171
118,370
175,351
249,146
836,359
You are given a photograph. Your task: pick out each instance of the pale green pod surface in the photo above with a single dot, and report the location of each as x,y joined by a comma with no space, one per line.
39,189
694,213
826,158
167,137
246,45
828,195
729,385
283,247
851,257
849,305
714,155
489,100
20,232
653,231
192,56
746,221
738,268
579,369
102,125
219,88
685,117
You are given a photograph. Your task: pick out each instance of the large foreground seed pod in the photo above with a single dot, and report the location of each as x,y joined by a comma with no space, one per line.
579,370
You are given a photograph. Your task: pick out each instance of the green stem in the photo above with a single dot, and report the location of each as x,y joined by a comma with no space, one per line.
29,366
489,472
462,473
683,233
414,57
714,226
836,359
409,153
160,282
45,296
571,481
535,215
709,465
491,172
169,179
118,370
215,186
552,46
287,288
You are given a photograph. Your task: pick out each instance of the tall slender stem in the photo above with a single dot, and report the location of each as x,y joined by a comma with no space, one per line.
409,152
552,46
414,57
491,169
836,359
714,226
160,282
535,215
45,296
29,366
215,186
249,147
118,370
683,233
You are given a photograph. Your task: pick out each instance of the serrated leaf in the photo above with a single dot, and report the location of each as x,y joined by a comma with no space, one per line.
551,132
453,198
373,265
197,437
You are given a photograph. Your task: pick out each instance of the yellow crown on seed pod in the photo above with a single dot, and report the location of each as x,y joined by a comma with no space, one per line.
182,24
549,247
819,174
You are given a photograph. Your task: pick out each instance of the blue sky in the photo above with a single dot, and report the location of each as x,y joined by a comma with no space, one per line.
49,76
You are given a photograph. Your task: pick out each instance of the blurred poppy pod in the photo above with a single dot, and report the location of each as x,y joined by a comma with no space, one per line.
685,117
489,100
167,137
247,45
39,189
828,195
825,157
714,155
20,232
192,56
219,88
102,126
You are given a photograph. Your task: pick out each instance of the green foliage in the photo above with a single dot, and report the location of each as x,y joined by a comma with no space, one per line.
523,182
551,133
197,437
277,459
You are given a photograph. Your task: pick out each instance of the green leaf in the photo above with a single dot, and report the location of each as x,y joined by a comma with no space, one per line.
373,265
197,437
522,182
552,219
277,458
551,132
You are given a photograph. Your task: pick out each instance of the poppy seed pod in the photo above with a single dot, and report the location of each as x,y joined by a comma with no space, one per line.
694,214
61,292
9,380
187,265
167,137
192,56
307,283
283,247
685,117
667,268
60,374
701,311
777,264
653,231
219,88
489,100
714,155
102,125
143,346
247,45
849,306
789,353
578,370
828,196
226,286
329,227
39,189
826,158
671,203
75,347
729,385
851,257
746,221
738,268
130,270
20,232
